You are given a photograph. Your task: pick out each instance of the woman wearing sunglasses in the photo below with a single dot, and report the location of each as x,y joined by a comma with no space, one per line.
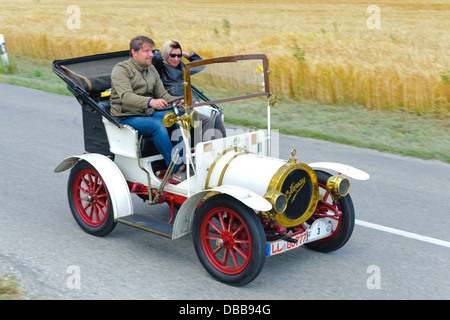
168,62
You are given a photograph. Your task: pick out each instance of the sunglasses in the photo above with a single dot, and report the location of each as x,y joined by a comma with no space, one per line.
175,55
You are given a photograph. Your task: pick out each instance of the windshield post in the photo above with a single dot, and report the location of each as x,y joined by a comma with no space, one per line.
187,89
269,137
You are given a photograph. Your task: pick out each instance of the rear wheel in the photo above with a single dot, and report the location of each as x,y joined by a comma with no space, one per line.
341,214
229,240
89,200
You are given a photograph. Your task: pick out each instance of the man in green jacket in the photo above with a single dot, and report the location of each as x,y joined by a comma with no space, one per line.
138,97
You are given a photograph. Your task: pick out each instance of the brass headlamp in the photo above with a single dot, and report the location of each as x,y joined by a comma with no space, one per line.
338,186
186,121
277,200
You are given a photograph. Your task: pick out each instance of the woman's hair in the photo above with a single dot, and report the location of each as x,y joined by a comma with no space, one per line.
167,48
137,42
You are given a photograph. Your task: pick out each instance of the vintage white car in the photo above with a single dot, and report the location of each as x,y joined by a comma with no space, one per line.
240,203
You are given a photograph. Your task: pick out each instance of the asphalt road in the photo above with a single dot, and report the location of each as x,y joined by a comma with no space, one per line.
41,244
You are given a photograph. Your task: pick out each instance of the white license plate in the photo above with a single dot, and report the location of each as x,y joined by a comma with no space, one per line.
320,229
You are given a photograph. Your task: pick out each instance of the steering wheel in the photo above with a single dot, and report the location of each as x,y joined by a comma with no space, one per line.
174,103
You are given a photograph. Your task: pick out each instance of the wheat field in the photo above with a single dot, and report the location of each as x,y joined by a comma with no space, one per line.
328,51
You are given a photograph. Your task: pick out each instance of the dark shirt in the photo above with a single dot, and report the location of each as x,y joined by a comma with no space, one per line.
172,77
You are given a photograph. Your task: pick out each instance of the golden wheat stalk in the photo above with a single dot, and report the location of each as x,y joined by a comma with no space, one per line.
321,51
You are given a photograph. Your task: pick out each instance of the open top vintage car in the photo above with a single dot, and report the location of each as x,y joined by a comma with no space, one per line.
240,203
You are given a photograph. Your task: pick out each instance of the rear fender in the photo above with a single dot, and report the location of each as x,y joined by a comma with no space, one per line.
111,175
344,169
185,216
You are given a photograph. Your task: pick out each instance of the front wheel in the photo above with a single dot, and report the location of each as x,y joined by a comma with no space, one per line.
89,200
229,240
341,214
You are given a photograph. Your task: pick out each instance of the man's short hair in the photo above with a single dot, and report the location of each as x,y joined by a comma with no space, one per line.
137,42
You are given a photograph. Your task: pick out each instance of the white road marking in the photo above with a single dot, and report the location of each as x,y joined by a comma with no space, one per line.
403,233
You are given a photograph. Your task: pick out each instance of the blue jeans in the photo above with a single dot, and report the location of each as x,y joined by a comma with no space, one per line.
153,127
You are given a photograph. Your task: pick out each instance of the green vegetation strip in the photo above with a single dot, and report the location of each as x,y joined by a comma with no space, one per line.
9,289
419,135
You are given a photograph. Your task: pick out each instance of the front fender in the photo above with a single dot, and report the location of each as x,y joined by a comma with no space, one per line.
111,175
184,219
343,169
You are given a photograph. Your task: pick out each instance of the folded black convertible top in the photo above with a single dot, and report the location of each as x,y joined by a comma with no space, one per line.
86,78
90,73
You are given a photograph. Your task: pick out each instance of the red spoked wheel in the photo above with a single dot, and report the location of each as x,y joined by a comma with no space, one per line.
226,240
340,213
229,240
89,200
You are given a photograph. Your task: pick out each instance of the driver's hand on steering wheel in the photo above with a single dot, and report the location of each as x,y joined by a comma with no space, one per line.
180,103
158,104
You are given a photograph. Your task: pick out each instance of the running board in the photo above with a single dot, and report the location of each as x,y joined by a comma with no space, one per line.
148,224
